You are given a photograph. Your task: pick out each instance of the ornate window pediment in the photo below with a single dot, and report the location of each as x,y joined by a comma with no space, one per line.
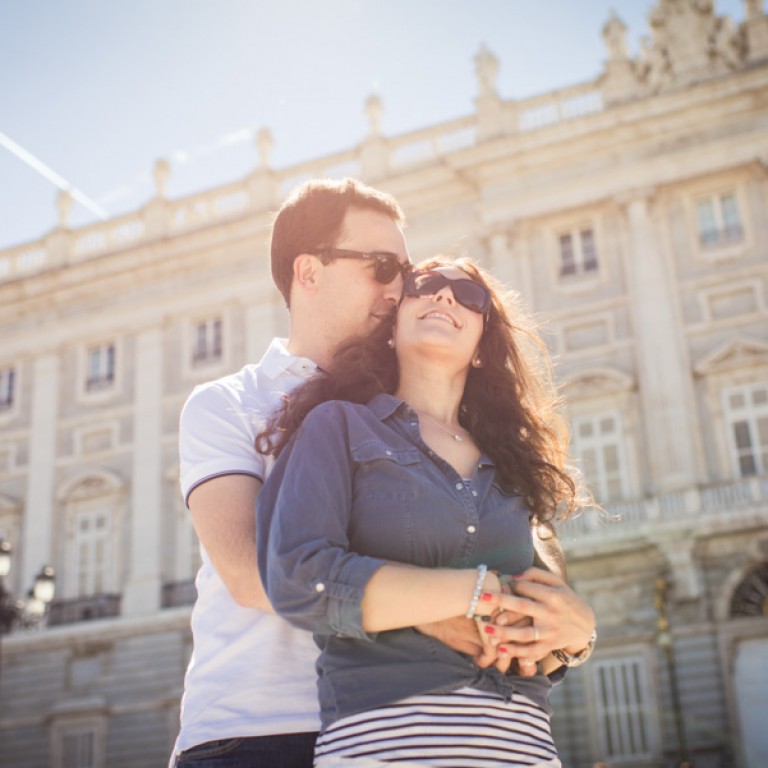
739,352
596,382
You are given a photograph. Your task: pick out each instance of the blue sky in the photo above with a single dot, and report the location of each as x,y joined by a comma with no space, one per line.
98,90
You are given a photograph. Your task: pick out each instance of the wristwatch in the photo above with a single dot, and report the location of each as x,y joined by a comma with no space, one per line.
576,659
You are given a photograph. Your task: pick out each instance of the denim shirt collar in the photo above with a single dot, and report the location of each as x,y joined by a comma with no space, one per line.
385,406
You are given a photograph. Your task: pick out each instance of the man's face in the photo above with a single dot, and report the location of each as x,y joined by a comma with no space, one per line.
355,302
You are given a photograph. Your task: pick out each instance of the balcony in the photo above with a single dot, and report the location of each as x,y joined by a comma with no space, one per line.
178,593
84,609
720,504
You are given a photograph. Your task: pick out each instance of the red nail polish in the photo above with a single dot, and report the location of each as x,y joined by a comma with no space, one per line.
503,650
489,630
518,575
486,596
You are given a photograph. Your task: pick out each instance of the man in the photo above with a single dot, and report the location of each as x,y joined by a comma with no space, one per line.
338,254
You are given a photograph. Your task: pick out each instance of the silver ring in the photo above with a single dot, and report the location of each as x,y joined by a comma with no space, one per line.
535,633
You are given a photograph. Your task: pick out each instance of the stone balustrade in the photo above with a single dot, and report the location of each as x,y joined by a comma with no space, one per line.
715,503
375,157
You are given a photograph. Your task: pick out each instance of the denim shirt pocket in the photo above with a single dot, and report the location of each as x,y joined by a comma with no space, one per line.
388,489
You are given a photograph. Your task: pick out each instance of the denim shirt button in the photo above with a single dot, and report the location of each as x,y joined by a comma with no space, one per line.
471,528
474,493
459,486
320,587
389,453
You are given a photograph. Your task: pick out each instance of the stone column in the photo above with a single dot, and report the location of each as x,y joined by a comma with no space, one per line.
509,264
663,367
142,592
261,327
37,542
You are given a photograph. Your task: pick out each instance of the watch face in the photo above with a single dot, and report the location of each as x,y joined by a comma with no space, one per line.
751,596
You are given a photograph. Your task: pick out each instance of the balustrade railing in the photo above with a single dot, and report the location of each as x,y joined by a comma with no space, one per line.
394,154
704,503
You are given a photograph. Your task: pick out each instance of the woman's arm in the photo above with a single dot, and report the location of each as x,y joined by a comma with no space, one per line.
399,595
311,577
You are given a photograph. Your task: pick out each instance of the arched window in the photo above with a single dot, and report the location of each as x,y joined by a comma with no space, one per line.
751,596
602,413
92,511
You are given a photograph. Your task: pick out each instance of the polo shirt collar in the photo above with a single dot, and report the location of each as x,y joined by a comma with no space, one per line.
277,361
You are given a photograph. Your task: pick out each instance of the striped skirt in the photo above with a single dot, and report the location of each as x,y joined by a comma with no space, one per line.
463,729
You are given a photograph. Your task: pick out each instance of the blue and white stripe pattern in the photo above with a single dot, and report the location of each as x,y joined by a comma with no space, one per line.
463,729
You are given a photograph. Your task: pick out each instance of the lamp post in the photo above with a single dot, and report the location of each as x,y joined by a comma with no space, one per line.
8,607
664,641
31,612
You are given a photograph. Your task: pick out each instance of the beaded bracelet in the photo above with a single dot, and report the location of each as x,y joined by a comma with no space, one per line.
482,571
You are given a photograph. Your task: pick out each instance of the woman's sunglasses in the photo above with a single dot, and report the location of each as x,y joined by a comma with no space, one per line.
466,291
386,266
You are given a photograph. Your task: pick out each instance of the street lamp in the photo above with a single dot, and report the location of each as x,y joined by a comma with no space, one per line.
664,641
38,598
29,612
8,608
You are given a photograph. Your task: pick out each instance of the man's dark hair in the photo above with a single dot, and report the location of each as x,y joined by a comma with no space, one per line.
311,219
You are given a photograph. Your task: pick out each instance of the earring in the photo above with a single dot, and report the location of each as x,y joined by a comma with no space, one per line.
477,362
391,343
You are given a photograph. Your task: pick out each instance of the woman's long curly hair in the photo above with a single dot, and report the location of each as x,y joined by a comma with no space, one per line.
509,405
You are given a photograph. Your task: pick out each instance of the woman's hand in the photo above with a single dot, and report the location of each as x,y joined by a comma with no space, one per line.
557,618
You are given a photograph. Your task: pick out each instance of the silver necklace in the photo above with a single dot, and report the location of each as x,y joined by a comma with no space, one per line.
458,438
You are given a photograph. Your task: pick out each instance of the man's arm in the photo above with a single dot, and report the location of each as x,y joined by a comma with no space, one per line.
223,514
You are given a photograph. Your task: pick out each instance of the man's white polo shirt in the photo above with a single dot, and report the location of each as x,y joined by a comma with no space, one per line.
251,673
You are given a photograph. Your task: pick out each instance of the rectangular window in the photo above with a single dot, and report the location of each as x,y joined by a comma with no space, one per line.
597,442
623,709
746,410
92,551
7,378
719,220
101,367
578,252
78,747
207,344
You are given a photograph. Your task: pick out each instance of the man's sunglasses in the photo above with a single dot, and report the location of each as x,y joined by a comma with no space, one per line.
466,291
386,266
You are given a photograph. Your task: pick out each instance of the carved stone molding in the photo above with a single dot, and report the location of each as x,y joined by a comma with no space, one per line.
737,352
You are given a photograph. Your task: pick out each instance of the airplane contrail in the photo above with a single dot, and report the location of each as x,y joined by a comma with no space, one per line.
52,176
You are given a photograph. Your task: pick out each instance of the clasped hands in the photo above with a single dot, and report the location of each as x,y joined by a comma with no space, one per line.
520,620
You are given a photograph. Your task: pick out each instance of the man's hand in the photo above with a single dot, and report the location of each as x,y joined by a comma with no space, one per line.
460,634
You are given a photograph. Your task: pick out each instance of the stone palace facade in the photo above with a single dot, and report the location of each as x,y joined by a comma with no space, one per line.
631,212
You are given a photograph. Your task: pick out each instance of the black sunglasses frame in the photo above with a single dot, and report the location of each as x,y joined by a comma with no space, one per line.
457,288
386,268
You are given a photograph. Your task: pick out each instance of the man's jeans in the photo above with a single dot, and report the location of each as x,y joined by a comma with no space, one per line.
289,750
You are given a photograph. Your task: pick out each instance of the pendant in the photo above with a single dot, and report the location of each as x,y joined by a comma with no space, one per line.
458,438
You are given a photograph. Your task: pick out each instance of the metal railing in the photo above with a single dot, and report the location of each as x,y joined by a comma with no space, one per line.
84,609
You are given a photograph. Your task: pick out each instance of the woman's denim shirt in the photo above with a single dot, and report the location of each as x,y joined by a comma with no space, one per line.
358,487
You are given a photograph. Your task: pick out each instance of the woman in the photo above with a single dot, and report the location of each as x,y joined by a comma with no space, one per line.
433,452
